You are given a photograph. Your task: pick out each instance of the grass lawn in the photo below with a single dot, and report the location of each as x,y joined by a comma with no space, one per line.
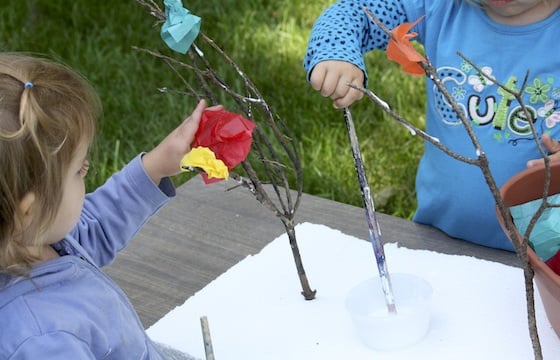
267,39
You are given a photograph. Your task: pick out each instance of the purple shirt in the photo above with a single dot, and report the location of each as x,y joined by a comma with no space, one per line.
68,308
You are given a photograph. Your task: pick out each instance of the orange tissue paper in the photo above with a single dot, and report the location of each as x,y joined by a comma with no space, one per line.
401,50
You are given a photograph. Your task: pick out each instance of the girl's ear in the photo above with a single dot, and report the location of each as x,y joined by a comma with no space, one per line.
25,208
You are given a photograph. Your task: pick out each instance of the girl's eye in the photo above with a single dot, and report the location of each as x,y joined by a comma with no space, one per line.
84,169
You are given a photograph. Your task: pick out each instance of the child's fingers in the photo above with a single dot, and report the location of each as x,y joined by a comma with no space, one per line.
331,87
215,107
192,121
331,79
187,130
317,77
553,148
197,113
347,100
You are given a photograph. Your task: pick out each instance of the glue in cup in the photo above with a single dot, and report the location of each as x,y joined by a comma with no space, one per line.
381,330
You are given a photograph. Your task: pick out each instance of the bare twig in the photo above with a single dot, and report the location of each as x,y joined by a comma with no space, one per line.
274,156
483,163
208,348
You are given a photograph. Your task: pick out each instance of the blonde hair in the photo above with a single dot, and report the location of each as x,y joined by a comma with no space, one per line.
46,111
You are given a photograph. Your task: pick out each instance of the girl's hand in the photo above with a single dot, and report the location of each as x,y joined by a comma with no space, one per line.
553,148
331,79
164,160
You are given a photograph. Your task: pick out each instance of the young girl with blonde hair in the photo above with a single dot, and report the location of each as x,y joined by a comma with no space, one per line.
505,39
55,302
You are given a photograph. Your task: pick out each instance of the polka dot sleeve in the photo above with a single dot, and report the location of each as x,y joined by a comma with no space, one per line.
344,32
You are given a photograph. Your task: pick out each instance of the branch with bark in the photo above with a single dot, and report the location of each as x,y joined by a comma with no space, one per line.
272,171
482,162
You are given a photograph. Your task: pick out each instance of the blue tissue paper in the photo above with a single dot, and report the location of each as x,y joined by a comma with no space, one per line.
545,237
180,28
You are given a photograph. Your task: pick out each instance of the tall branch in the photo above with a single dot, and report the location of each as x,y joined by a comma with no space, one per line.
482,162
274,156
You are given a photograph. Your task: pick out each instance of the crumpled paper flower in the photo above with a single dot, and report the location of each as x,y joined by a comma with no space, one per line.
228,135
180,28
401,50
205,159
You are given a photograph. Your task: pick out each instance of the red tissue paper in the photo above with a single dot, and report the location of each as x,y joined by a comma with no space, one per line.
228,135
554,263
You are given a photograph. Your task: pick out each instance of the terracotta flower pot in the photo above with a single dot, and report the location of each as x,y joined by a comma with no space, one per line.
526,186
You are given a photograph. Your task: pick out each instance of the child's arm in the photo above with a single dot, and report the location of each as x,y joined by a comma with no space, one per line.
114,212
344,33
57,345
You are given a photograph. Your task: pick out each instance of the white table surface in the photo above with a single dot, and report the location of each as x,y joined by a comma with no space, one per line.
255,310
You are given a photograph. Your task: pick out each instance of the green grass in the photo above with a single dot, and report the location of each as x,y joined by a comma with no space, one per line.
268,40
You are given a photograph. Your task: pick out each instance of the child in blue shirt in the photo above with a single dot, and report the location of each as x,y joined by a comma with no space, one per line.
55,302
504,38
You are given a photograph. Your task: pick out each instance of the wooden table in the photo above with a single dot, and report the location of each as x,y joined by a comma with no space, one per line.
205,230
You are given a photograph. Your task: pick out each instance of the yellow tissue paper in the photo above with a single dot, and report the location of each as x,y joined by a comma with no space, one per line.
205,159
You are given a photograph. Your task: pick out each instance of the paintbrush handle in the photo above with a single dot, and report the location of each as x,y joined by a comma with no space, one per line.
373,225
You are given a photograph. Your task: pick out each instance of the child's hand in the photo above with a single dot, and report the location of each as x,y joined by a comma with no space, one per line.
553,148
164,160
331,79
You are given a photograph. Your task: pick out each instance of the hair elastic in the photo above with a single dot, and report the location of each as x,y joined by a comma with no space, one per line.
28,85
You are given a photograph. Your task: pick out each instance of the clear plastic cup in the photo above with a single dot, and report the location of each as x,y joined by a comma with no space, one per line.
382,330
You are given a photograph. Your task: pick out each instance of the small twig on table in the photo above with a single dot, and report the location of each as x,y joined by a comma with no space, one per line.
207,339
